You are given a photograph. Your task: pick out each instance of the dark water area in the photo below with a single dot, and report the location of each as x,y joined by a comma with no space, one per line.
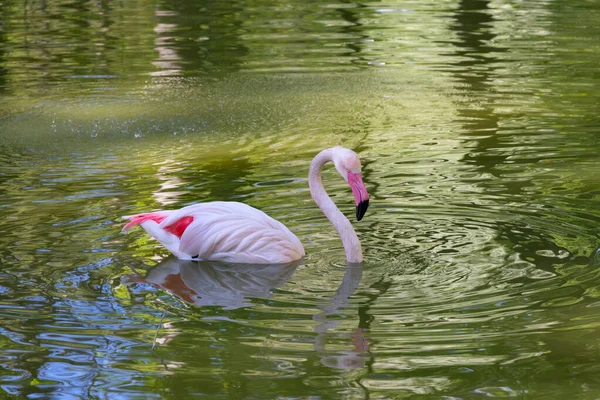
478,128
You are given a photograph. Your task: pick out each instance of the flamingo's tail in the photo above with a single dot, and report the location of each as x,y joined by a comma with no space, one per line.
176,228
169,236
137,219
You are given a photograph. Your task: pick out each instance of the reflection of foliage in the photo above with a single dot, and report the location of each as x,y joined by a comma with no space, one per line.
3,70
78,40
476,122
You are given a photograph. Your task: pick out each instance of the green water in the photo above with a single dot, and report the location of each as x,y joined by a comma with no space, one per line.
478,126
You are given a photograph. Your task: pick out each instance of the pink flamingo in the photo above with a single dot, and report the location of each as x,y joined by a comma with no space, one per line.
234,232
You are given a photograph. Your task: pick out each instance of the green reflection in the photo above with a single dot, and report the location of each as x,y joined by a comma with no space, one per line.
477,124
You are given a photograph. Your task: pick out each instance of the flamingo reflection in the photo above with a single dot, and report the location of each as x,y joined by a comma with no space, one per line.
231,287
359,355
216,284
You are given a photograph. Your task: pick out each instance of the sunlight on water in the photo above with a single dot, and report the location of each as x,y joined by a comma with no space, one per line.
476,122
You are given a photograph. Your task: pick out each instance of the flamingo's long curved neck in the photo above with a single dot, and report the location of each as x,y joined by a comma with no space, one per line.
339,221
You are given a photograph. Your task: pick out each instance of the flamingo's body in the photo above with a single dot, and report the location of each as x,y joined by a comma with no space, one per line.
237,233
225,231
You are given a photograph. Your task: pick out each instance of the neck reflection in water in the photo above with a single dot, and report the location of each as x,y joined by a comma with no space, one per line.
358,357
231,286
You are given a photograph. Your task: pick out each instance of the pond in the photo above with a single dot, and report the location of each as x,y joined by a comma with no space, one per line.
478,128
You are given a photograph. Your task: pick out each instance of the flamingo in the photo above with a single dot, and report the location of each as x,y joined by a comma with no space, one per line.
235,232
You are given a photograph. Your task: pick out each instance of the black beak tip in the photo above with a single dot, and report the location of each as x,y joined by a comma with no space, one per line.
361,209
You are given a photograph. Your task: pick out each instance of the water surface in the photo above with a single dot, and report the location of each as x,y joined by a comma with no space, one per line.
477,124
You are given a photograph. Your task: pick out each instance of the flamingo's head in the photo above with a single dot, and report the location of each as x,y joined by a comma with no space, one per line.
348,165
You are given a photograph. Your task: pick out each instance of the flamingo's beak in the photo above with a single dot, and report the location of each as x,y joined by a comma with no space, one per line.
361,196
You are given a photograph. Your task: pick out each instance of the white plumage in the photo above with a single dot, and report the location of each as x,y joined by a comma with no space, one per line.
227,231
234,232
